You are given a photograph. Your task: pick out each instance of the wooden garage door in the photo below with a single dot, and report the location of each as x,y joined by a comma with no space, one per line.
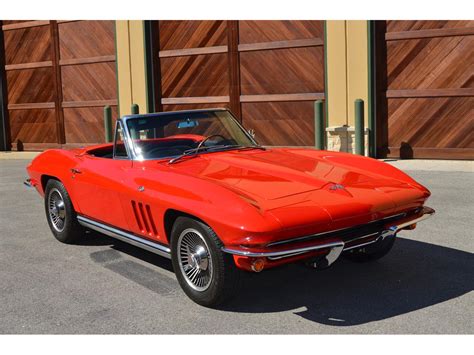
427,89
59,76
269,73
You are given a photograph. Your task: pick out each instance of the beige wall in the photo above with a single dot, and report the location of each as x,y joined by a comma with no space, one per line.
131,69
347,69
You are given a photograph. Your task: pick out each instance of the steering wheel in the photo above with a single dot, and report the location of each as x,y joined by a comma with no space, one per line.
209,137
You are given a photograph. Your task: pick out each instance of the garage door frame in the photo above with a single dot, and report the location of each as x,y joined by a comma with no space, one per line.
4,127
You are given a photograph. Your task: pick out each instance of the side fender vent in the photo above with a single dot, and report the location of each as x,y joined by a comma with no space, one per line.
144,218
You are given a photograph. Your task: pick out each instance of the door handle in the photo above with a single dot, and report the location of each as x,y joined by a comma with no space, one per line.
76,171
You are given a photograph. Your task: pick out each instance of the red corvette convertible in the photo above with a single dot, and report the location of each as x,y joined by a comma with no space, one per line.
195,187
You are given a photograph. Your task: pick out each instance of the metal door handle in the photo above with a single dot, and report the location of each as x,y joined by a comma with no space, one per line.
76,171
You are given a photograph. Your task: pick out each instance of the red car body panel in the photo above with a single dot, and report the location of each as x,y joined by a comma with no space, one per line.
250,198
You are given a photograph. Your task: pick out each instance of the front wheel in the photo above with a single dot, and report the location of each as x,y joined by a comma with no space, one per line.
60,213
206,274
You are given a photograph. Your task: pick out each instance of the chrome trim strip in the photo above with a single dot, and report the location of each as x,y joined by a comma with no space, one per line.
393,230
363,244
390,232
363,237
129,139
329,232
336,247
125,237
126,142
337,230
282,253
307,236
427,213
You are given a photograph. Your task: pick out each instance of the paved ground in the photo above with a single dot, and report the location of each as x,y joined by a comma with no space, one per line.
102,286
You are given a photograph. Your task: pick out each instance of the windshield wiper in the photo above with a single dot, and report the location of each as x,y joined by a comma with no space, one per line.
252,147
241,147
194,151
188,153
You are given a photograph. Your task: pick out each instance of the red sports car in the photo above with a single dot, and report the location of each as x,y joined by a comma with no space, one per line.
194,186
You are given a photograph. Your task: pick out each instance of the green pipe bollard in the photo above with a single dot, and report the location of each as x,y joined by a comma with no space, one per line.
359,127
319,125
135,111
108,124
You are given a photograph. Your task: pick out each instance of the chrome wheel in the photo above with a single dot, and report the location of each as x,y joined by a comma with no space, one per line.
57,210
195,259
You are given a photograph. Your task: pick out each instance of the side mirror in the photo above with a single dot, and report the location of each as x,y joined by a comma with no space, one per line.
251,132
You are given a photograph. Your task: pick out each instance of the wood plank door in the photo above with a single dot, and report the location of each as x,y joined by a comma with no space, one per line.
425,88
269,73
31,86
281,75
88,80
194,67
59,76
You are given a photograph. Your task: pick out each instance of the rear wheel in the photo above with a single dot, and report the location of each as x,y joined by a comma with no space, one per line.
206,274
60,213
371,252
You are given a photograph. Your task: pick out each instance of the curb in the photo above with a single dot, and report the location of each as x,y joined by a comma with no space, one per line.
18,155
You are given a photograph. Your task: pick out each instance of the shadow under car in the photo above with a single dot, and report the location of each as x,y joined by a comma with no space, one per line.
412,276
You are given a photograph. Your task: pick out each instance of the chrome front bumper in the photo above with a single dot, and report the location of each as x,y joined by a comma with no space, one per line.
335,248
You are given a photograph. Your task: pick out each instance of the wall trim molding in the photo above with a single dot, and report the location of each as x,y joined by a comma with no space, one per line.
194,100
295,43
432,33
310,96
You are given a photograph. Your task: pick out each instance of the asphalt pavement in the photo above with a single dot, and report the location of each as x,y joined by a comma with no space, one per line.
425,285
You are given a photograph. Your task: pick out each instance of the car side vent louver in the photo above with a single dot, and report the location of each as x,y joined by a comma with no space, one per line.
144,218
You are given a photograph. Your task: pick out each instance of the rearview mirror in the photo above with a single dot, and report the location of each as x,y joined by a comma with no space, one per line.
188,124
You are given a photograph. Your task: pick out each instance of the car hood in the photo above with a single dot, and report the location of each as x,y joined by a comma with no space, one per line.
267,175
276,174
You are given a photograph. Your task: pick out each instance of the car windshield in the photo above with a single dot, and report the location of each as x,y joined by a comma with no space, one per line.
186,133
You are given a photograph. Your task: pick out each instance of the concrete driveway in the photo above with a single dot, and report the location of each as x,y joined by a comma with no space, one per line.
104,286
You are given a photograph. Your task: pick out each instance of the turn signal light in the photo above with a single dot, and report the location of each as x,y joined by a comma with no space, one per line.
258,265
